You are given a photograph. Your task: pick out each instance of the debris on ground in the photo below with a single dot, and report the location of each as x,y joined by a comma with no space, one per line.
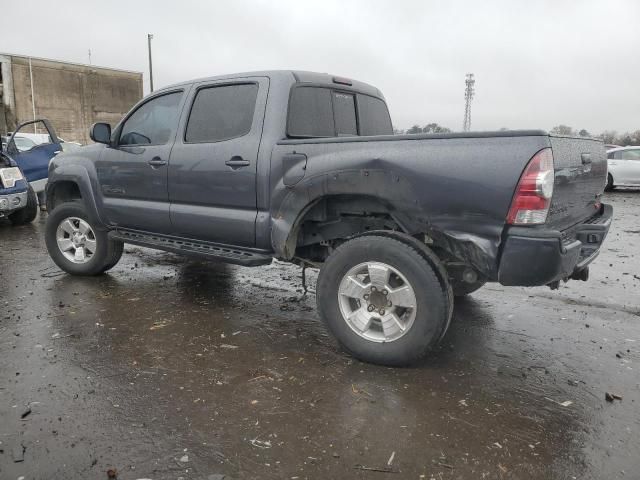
25,413
566,403
376,469
18,453
112,474
260,444
610,397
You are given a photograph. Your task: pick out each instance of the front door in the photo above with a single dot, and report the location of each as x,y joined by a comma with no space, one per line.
212,169
132,173
32,146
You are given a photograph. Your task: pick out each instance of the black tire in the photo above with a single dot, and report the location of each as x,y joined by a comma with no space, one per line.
27,214
107,252
432,300
116,254
462,289
610,186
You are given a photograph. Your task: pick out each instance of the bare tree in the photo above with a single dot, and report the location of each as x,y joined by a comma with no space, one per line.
562,130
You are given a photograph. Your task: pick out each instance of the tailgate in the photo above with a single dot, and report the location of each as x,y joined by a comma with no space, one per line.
581,172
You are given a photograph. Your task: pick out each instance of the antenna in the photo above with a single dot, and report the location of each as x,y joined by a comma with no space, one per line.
469,92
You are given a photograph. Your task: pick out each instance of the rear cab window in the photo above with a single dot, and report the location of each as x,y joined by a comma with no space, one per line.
319,111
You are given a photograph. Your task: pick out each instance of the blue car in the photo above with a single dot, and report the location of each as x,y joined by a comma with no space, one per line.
18,200
32,146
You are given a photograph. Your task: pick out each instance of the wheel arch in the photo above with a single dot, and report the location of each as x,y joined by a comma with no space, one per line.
68,183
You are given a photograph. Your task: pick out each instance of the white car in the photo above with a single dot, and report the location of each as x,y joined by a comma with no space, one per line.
624,167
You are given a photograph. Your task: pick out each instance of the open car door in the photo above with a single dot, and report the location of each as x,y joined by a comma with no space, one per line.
32,146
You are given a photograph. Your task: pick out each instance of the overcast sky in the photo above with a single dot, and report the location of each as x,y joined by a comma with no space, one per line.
537,63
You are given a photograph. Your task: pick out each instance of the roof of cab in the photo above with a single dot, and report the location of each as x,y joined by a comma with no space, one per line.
298,76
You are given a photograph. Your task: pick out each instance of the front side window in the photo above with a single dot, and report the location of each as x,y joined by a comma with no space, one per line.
221,113
154,123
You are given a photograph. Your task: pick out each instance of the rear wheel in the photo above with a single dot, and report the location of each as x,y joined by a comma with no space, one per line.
76,244
27,214
383,300
610,186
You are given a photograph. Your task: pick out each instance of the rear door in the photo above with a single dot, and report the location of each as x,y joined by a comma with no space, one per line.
581,172
132,174
212,169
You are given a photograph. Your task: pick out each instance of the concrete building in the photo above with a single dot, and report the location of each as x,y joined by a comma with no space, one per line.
70,95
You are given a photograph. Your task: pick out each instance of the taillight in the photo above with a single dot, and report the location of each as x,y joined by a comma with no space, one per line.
530,204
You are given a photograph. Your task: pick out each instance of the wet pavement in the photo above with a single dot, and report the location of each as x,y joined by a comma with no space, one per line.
173,368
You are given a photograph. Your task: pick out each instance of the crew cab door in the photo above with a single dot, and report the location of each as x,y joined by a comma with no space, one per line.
212,169
132,172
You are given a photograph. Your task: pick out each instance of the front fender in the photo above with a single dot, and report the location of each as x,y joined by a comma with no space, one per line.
79,174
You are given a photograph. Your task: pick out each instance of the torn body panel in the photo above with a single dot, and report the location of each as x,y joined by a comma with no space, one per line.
456,191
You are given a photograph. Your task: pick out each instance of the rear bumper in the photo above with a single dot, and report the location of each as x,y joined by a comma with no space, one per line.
540,257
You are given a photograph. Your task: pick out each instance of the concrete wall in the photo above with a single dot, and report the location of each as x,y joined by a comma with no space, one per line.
71,96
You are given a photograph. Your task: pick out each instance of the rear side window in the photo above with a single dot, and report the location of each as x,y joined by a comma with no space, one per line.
311,113
221,113
374,116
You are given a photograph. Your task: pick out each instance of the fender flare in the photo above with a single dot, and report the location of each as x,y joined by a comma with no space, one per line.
79,175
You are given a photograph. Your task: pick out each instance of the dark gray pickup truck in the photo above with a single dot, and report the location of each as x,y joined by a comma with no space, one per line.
304,167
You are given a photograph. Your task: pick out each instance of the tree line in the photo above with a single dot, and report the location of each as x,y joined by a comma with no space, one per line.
608,136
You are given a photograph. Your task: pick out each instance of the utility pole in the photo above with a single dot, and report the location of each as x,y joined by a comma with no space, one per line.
149,38
33,96
469,92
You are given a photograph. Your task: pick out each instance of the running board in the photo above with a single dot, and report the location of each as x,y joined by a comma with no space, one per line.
182,246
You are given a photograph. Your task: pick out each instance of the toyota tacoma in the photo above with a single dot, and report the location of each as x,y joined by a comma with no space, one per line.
304,167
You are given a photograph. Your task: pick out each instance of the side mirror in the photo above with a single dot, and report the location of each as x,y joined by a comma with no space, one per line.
100,133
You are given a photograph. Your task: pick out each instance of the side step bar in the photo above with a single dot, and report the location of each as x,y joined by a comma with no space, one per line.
208,250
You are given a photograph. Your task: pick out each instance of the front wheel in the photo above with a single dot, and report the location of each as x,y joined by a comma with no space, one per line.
27,214
383,300
76,244
610,186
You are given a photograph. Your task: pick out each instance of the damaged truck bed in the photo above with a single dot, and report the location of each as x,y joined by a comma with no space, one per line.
305,167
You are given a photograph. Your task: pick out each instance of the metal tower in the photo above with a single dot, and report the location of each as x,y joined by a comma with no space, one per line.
469,91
